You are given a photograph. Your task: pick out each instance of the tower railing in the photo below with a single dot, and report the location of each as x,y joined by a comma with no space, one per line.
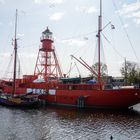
46,37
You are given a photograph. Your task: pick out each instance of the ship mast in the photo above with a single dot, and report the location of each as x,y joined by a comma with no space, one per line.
99,41
125,69
15,55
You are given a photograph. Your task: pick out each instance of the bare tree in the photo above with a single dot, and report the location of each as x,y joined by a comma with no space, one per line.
103,68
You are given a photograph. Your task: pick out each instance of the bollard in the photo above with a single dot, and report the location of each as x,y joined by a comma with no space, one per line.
111,137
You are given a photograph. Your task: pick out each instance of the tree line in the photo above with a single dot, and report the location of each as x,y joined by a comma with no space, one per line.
130,72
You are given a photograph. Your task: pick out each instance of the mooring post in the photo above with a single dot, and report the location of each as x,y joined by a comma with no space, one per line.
111,137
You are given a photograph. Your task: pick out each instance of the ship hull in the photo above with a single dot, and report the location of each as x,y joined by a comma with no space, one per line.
82,95
113,99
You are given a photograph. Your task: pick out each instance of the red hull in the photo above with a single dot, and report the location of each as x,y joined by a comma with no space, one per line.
80,95
119,98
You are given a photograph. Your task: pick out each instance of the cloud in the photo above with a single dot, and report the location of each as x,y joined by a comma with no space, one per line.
126,25
1,23
87,9
10,23
56,1
137,21
2,1
131,11
48,1
91,10
6,54
130,8
56,16
25,55
74,42
20,35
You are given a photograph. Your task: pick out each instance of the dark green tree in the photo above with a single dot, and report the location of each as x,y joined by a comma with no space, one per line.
131,73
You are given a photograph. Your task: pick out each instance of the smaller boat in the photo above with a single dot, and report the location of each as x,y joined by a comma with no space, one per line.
13,99
18,101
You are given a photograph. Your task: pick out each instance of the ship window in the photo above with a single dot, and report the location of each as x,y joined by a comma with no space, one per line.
52,91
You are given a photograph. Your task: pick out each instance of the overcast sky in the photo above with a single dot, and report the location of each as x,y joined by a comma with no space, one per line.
74,27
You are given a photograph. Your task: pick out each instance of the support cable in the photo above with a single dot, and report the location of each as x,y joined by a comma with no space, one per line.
112,46
78,36
131,44
8,67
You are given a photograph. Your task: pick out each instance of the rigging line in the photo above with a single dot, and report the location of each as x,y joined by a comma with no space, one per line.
75,66
8,67
131,44
112,46
31,45
59,64
71,68
81,35
103,55
68,73
106,25
85,50
82,49
77,69
95,52
82,21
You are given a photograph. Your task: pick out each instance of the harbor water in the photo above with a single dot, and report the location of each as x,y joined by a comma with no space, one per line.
57,123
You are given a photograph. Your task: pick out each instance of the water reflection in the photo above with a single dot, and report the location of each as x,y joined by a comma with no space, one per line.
50,123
